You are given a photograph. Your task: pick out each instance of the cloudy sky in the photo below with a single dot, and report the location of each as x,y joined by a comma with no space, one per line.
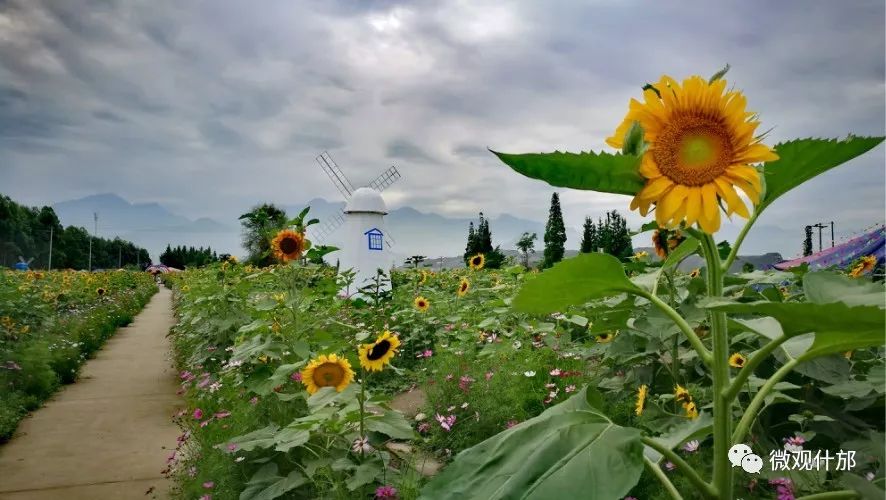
208,107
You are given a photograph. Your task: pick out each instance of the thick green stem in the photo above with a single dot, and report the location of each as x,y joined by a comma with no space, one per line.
738,241
831,495
723,476
749,367
660,475
681,323
705,488
751,413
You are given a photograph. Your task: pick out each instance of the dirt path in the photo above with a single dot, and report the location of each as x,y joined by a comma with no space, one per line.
108,435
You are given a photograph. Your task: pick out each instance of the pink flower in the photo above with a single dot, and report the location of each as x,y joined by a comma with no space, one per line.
296,376
489,375
550,386
691,446
449,377
205,422
232,447
385,492
424,427
222,414
254,400
206,497
784,488
556,372
448,327
445,422
427,353
669,466
569,388
198,414
511,423
209,485
464,383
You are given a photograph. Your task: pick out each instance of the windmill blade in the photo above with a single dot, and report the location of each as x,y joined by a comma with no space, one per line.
320,233
385,180
335,174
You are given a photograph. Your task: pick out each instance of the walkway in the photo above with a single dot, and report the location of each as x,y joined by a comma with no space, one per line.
108,435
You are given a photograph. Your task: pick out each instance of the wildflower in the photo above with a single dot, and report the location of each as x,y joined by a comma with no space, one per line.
421,303
361,445
569,389
641,255
449,377
605,338
424,427
198,414
420,416
209,485
529,373
446,422
463,287
254,400
556,372
222,414
511,423
489,375
784,488
669,466
384,492
737,360
794,443
378,354
464,383
296,376
239,459
550,386
206,496
100,291
327,371
464,405
701,145
477,262
682,395
691,446
641,399
232,447
427,353
691,410
288,245
215,386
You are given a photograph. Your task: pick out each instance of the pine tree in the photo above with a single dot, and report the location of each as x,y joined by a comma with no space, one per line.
471,247
555,234
807,242
589,241
484,236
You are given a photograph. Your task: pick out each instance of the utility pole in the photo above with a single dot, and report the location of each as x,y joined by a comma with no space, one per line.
95,230
50,249
120,256
820,226
832,234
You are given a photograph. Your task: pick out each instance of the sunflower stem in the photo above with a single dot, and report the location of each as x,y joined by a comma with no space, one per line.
733,253
723,476
752,364
705,488
660,475
754,407
681,323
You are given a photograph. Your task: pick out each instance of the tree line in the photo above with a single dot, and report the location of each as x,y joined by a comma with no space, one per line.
25,232
181,257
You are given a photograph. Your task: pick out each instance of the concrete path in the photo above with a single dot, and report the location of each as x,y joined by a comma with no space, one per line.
108,435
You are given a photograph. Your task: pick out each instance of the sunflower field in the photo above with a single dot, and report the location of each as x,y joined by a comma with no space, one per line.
50,323
598,378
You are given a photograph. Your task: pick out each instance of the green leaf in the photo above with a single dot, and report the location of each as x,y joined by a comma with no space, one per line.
688,247
867,489
278,487
364,474
390,423
292,436
328,395
823,287
571,454
802,159
590,171
687,430
261,438
573,281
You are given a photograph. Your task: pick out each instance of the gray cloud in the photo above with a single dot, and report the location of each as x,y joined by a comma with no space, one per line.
228,103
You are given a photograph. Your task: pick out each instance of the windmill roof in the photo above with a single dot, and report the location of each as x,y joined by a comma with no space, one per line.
366,200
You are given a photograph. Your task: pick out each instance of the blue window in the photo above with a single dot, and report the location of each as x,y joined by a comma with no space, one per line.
375,238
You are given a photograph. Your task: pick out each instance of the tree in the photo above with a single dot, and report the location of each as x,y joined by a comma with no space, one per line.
472,248
807,242
259,226
181,257
589,241
415,260
480,241
555,234
526,244
613,236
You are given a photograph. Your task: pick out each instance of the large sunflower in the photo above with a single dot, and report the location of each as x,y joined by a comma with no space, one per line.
327,371
378,354
477,262
700,147
288,245
463,287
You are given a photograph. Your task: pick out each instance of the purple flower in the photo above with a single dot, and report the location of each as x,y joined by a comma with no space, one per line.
385,492
784,488
446,422
198,414
209,485
424,427
511,423
296,376
691,446
669,466
464,383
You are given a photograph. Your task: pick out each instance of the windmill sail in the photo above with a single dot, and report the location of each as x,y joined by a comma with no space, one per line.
335,174
384,180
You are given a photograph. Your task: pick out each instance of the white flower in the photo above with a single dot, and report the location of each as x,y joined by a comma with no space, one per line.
420,416
793,448
556,372
464,405
361,444
239,459
518,344
530,373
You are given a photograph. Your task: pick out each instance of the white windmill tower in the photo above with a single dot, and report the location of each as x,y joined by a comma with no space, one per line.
367,243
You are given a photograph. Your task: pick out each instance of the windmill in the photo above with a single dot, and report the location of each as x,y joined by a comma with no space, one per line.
22,264
344,186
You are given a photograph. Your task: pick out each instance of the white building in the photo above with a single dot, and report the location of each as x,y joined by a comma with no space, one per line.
365,248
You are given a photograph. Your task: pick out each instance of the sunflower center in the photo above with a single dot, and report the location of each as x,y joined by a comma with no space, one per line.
328,374
379,350
288,245
693,150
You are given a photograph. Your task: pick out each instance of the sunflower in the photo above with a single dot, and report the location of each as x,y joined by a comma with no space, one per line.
695,273
424,278
737,360
100,291
421,303
288,245
605,338
641,399
866,264
463,287
477,262
378,354
700,147
327,371
691,410
665,241
682,395
641,255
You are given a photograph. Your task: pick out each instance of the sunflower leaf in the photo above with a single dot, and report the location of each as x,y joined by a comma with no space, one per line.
802,159
573,281
604,172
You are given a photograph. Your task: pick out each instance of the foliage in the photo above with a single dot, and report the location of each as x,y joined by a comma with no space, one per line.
807,242
415,260
50,323
611,235
259,226
589,236
555,234
480,242
25,231
181,257
526,245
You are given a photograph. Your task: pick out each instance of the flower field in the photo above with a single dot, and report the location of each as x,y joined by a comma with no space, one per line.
50,323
